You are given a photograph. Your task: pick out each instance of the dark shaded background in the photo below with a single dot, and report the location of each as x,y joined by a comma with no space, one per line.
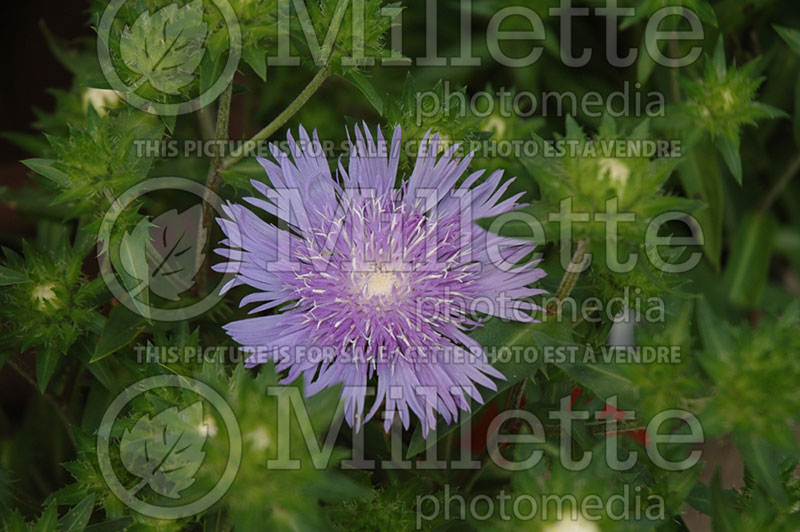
30,68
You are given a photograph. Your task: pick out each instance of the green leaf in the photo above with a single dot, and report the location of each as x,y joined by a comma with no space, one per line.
166,47
760,459
722,513
48,168
121,328
718,61
729,148
367,89
101,369
256,57
705,11
716,340
34,144
78,517
48,520
790,35
14,523
790,316
645,63
701,179
768,111
169,121
603,378
796,118
97,82
68,495
113,525
46,362
9,276
751,251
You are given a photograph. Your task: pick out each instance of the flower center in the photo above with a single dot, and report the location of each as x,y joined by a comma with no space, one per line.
615,170
43,294
380,284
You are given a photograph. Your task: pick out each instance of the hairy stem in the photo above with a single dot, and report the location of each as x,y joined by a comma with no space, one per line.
213,182
219,165
281,119
574,270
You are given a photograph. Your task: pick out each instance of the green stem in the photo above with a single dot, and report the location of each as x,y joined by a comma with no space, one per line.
281,119
780,184
213,182
219,165
19,368
570,276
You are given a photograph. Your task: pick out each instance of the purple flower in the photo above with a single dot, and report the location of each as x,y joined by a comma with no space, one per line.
372,283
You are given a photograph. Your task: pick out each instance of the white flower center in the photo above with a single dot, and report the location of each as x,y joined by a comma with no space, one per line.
615,170
43,294
380,284
208,427
497,124
568,525
259,438
727,98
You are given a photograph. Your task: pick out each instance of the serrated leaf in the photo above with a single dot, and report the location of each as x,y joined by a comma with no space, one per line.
256,57
165,47
46,362
165,451
48,168
67,495
9,276
14,522
363,84
120,329
78,517
603,378
169,121
48,520
759,458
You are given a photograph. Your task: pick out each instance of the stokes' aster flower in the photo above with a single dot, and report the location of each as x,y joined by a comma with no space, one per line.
383,282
